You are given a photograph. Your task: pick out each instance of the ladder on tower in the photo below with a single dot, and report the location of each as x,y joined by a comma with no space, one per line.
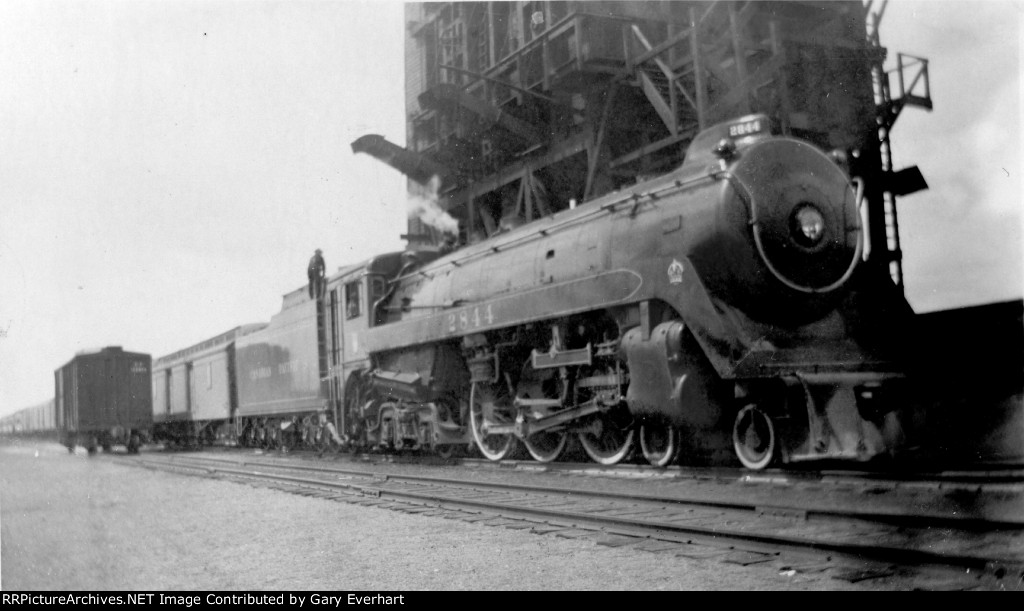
912,88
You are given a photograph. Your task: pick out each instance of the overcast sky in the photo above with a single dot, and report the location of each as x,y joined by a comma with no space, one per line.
167,168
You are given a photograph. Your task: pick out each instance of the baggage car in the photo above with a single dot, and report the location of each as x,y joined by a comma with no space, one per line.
194,390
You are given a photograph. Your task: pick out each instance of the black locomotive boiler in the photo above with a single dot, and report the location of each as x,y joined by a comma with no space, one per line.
720,307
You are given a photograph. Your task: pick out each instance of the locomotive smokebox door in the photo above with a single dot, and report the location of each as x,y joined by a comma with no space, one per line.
804,216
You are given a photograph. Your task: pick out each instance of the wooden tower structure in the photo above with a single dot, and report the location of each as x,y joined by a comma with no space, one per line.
516,110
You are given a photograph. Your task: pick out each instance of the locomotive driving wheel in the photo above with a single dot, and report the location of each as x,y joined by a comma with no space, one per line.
543,446
491,402
609,438
546,446
753,438
659,441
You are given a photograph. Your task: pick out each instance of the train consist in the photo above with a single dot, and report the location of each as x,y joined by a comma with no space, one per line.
715,308
102,398
35,420
671,231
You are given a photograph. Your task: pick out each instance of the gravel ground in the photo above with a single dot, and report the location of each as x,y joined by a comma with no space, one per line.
72,522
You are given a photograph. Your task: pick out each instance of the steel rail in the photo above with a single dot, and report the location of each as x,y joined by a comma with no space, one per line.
917,520
1008,474
859,546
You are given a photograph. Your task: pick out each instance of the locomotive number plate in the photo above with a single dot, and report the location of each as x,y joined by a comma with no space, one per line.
747,128
467,319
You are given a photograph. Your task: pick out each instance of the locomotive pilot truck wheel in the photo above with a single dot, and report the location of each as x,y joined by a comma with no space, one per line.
659,441
754,438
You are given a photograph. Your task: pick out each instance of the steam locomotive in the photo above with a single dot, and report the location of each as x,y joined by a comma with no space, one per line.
718,310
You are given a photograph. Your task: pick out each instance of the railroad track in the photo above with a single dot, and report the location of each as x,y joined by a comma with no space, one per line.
981,476
861,542
993,498
968,477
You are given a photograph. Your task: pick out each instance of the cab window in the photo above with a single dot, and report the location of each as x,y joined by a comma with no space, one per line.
378,288
352,303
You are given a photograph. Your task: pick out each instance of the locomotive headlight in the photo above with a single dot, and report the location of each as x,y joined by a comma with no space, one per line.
807,225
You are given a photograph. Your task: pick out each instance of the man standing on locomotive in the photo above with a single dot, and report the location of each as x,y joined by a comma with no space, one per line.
315,273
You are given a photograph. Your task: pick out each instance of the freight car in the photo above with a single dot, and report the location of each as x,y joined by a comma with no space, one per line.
720,306
102,398
37,420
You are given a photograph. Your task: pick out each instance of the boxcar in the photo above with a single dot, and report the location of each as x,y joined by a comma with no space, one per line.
39,419
35,420
103,397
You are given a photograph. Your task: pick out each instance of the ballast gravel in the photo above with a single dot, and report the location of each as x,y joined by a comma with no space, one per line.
73,522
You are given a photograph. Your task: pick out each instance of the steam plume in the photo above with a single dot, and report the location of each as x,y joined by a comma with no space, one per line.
423,204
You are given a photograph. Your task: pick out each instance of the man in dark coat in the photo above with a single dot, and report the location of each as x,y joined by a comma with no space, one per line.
315,272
